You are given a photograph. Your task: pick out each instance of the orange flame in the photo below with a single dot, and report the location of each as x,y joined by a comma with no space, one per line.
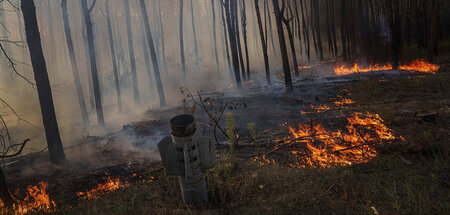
36,200
343,101
416,65
319,147
109,186
316,109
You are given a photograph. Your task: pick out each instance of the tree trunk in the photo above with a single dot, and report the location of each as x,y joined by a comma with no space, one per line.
227,47
230,12
216,54
163,46
76,76
291,40
299,34
244,34
197,59
5,195
183,59
305,31
86,54
343,28
55,147
113,57
147,62
392,18
238,39
131,52
318,34
93,62
432,46
162,98
272,41
263,42
284,55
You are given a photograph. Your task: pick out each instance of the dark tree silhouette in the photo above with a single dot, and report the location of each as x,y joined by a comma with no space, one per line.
244,36
93,60
162,98
55,147
73,61
194,31
263,42
216,54
230,12
183,59
131,52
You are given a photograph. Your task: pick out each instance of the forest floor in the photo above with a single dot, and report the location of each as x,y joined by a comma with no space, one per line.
410,176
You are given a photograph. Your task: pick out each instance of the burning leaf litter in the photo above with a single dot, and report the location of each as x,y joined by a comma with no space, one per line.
36,200
417,65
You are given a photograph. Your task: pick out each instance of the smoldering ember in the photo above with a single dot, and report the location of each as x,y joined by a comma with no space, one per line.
224,107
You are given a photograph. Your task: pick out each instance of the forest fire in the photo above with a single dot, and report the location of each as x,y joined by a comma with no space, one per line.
416,65
109,186
36,200
314,146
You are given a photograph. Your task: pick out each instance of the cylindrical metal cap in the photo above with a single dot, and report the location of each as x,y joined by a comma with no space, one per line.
183,125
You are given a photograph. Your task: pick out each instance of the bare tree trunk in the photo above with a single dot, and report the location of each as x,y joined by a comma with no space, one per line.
55,147
272,41
230,13
147,62
5,195
263,42
86,54
93,61
244,34
238,39
131,52
343,28
227,47
163,46
76,76
305,31
113,57
216,54
162,98
197,59
432,46
183,59
283,49
392,18
290,36
299,34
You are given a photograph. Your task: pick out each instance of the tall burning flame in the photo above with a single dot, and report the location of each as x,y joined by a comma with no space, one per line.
36,200
419,65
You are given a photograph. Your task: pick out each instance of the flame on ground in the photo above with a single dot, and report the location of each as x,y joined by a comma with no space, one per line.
416,65
341,102
317,109
314,146
109,186
36,200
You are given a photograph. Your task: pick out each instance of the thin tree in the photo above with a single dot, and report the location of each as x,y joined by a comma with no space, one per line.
73,61
55,147
194,31
244,35
162,99
216,54
230,12
183,59
113,57
131,52
161,30
93,60
236,25
263,42
227,47
283,49
287,21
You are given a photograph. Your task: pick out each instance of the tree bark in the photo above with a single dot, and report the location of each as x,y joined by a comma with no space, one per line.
163,44
162,98
55,147
197,59
305,31
147,62
284,55
263,42
216,54
244,35
183,59
230,12
238,39
272,41
131,52
113,57
291,39
76,76
93,62
227,47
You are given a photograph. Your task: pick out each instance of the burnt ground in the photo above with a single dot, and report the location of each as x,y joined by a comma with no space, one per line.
403,101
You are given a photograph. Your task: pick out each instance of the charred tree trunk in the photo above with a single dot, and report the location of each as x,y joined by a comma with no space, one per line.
230,12
283,49
272,41
163,46
86,54
194,31
291,38
113,57
162,98
244,35
5,195
227,47
263,42
183,59
394,29
147,62
216,54
343,28
73,61
305,31
93,61
238,39
131,52
55,147
432,46
299,34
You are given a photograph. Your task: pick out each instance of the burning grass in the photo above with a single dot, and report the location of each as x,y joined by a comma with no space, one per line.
109,186
419,65
36,200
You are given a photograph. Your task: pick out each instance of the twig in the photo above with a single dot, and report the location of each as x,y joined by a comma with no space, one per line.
17,153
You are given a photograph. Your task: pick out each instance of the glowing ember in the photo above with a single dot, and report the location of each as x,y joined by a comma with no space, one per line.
109,186
343,101
36,200
314,146
316,109
417,65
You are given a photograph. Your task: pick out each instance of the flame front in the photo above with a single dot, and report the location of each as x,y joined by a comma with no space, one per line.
109,186
36,200
416,65
317,147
